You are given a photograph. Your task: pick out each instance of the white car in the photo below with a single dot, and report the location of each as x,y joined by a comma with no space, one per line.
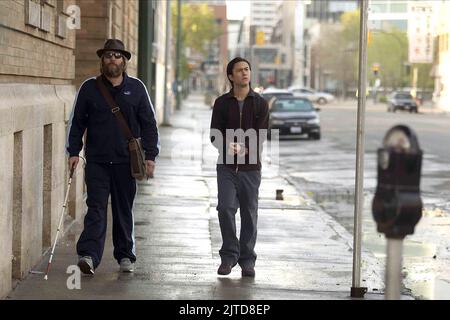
271,92
311,95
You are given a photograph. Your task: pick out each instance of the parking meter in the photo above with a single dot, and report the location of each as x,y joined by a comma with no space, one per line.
397,205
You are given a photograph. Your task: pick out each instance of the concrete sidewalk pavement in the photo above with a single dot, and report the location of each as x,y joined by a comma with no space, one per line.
303,253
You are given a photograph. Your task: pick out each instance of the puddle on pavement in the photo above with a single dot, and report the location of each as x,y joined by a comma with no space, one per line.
296,200
378,244
418,262
431,289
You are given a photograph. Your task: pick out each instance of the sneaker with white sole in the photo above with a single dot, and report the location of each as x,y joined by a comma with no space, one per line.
86,265
126,265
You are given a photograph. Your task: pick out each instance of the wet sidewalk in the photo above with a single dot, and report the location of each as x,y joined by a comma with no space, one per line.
303,253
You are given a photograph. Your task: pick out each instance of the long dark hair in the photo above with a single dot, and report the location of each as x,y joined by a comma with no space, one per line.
231,64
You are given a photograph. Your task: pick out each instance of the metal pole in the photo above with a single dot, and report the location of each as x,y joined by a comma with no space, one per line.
178,69
166,114
356,290
394,268
145,43
414,82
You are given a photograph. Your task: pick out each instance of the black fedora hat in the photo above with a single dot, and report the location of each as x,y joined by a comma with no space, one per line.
114,45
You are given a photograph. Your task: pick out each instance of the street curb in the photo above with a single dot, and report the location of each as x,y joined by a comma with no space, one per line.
368,257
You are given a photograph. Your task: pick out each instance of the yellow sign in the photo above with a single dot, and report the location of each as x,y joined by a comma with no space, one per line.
277,59
260,37
367,92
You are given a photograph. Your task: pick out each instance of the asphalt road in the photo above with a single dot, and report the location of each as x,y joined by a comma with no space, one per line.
432,129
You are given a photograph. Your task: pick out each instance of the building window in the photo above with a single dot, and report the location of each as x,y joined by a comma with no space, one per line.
46,15
61,18
399,7
378,8
39,13
33,13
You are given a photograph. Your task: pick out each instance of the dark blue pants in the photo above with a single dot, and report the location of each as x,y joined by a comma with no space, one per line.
101,181
238,190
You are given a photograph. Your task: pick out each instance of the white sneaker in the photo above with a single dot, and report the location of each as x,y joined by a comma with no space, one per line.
86,265
126,265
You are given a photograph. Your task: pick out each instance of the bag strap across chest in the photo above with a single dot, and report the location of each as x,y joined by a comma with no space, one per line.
115,109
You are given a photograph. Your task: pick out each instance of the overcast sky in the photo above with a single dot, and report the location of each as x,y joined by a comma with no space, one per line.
237,9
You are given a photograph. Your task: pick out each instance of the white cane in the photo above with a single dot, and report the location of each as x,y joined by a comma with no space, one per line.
60,222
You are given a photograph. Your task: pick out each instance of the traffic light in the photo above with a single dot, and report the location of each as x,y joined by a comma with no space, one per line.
375,68
260,38
369,38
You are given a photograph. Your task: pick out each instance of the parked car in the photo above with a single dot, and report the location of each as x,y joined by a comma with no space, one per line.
312,95
402,101
294,116
269,93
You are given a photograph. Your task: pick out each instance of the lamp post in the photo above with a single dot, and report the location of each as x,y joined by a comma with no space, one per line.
166,113
178,58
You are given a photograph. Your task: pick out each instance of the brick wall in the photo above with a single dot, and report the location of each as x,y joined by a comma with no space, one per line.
101,20
37,67
42,64
29,51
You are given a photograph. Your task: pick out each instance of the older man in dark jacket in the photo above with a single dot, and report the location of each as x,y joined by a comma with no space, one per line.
108,161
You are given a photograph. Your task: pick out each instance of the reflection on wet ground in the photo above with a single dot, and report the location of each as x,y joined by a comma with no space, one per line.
424,256
327,176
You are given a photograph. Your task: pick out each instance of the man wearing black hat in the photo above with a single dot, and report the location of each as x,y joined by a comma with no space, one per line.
108,162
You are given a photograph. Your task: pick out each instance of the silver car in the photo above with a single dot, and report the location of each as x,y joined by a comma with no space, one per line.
402,101
294,116
311,95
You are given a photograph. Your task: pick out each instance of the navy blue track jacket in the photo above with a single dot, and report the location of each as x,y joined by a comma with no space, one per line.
105,140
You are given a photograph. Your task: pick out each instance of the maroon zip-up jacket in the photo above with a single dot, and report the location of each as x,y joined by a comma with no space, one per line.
226,115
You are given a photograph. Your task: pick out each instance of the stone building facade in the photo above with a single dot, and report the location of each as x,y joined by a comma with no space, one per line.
47,49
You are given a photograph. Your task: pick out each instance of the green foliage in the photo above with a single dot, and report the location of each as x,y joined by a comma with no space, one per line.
198,26
337,51
198,29
389,49
425,80
337,55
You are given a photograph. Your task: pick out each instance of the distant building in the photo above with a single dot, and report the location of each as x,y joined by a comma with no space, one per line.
233,36
263,16
442,67
328,10
243,39
388,14
208,70
317,14
216,61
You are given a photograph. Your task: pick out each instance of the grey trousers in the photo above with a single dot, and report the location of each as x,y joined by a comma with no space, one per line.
238,190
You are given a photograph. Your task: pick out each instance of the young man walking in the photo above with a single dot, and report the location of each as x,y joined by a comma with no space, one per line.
108,170
238,128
